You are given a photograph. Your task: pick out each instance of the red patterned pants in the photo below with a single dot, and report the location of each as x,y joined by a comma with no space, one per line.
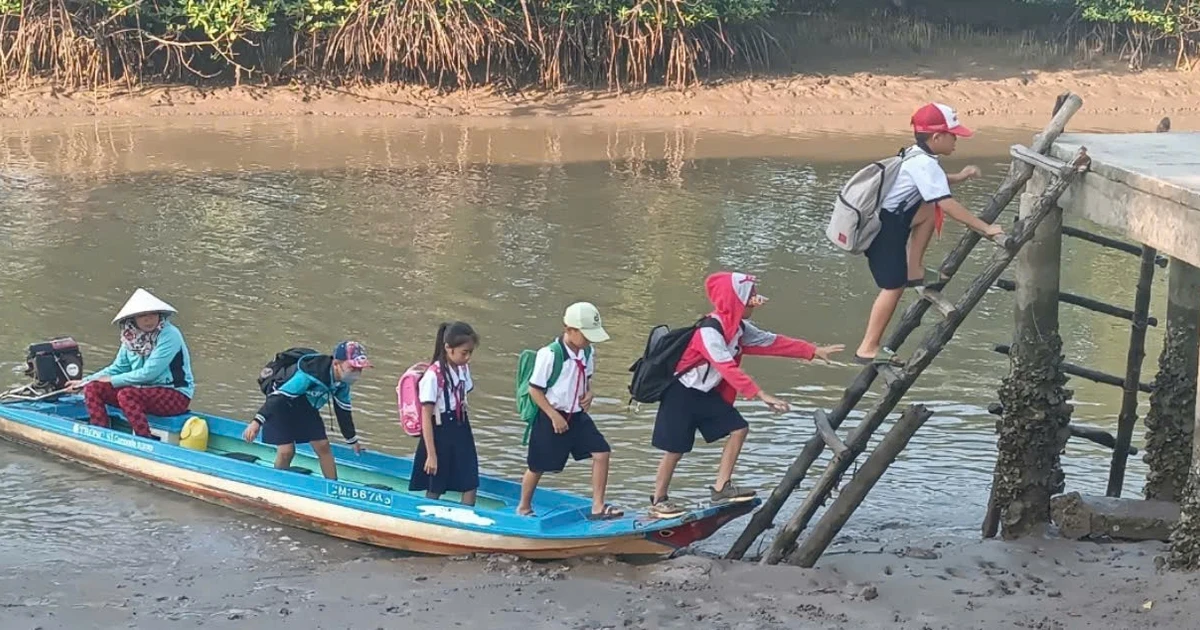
135,403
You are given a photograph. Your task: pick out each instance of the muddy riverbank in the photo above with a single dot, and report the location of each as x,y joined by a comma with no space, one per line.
927,584
989,91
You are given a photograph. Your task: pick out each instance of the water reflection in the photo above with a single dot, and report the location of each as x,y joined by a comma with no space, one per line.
270,236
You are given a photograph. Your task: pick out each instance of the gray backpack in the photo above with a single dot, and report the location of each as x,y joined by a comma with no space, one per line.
855,220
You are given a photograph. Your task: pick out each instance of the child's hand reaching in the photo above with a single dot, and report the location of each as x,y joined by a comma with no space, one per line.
823,352
969,172
775,404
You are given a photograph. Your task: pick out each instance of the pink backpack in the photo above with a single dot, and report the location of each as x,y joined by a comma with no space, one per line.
408,399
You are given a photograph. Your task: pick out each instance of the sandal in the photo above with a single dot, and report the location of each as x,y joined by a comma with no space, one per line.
529,513
610,512
885,356
933,280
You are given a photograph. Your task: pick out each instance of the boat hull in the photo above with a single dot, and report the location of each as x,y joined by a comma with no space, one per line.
343,521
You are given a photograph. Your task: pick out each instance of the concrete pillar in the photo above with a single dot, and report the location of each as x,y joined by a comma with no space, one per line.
1185,538
1170,420
1033,431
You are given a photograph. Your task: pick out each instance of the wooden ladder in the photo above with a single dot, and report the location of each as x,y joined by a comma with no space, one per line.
899,379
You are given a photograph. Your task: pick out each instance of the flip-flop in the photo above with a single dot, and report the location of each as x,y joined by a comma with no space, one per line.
529,513
610,512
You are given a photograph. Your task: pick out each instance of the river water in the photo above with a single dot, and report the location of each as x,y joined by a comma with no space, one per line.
269,234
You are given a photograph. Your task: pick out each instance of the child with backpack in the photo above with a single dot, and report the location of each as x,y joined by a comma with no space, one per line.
554,393
708,379
911,209
446,460
297,384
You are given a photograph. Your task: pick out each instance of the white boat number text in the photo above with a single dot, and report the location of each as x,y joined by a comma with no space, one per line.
366,495
97,433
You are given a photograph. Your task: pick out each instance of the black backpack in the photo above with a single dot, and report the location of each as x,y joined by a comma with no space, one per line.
655,370
281,368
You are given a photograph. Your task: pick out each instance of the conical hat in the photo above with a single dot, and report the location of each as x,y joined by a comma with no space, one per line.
142,302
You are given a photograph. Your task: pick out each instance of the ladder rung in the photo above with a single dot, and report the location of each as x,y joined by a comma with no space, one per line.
1037,160
825,430
939,302
890,373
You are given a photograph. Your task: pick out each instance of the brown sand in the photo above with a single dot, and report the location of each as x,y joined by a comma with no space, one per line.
986,96
930,584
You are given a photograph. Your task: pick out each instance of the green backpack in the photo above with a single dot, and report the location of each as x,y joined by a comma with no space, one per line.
527,409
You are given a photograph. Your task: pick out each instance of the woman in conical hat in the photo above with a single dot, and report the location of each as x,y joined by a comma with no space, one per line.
152,373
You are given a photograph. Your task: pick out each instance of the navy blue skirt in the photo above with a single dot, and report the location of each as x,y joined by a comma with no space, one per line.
291,421
458,463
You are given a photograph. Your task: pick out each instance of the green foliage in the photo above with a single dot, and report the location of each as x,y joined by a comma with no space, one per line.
315,15
1158,16
221,21
617,42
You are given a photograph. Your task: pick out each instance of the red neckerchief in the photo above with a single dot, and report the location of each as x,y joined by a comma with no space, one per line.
580,381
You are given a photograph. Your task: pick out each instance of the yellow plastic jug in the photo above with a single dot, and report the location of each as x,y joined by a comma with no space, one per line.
194,434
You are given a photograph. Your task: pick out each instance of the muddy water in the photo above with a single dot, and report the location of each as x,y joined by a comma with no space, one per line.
271,234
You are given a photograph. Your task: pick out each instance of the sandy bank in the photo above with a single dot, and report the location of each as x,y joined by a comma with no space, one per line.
987,95
946,583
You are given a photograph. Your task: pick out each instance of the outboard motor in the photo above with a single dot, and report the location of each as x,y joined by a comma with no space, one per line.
52,363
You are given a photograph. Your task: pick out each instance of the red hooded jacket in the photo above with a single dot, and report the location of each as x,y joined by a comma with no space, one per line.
713,358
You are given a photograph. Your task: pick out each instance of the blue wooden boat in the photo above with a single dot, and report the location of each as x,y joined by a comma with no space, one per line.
369,502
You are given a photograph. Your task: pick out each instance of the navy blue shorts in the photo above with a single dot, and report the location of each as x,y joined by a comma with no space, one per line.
457,461
291,421
684,410
548,451
888,254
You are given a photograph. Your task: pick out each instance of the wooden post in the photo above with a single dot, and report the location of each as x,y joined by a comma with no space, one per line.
1034,428
1019,174
1169,422
1133,373
853,494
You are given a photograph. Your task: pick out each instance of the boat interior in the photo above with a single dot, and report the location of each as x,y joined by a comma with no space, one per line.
169,428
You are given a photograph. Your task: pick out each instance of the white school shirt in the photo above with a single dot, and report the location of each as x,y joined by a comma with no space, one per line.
921,179
564,395
429,392
705,377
